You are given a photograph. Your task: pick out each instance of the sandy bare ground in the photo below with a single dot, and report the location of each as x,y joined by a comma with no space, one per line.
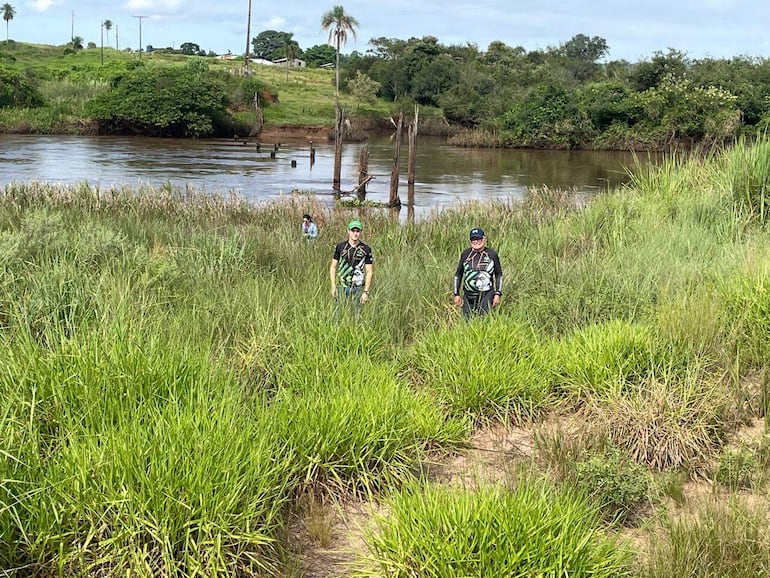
330,541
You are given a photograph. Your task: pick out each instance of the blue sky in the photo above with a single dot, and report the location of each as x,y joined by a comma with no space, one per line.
633,30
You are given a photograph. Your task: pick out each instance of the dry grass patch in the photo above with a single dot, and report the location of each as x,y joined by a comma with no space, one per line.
665,422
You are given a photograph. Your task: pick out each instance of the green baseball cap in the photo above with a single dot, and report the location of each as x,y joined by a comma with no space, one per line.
355,224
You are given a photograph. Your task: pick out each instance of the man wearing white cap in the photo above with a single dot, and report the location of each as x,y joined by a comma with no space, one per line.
479,275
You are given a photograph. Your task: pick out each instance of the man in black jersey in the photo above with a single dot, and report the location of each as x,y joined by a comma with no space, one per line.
351,269
480,276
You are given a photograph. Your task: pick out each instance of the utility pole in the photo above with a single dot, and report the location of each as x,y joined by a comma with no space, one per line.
117,47
248,33
102,54
72,32
140,34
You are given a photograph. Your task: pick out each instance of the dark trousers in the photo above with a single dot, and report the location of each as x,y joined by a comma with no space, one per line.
477,303
348,298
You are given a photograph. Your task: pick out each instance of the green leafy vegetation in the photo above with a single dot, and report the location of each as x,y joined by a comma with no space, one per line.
564,96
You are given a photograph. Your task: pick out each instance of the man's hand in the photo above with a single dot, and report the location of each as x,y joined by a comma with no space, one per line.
334,291
458,301
495,300
364,297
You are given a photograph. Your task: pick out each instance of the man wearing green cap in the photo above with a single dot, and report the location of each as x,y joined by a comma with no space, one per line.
351,269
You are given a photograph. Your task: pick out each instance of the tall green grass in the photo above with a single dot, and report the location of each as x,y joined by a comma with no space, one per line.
531,529
173,377
721,540
486,369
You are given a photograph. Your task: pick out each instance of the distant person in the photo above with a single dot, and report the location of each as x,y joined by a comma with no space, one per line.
351,270
479,276
309,229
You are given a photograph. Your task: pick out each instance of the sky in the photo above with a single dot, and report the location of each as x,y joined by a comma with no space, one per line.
634,31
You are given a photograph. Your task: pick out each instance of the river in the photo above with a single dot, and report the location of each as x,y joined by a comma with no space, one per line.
445,175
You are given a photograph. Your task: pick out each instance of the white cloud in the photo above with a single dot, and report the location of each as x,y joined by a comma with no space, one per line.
42,5
157,6
274,23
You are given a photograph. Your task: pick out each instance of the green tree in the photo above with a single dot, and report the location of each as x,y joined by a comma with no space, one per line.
319,55
581,53
363,87
108,27
77,43
190,48
270,44
291,51
8,13
339,24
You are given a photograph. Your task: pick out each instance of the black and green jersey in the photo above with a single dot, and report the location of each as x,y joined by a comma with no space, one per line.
478,272
351,260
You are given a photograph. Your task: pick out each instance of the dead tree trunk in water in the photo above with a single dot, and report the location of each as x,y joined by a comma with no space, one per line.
338,128
393,200
260,121
412,138
363,173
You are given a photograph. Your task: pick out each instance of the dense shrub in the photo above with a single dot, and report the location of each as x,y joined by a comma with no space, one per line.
16,90
168,102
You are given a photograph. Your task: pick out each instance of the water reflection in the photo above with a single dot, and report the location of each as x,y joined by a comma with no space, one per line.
445,174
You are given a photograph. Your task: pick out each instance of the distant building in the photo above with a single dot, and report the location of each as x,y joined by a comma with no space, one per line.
327,65
228,56
293,63
262,61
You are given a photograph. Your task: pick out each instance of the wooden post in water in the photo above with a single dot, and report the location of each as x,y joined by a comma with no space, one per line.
338,127
412,137
363,173
393,200
260,121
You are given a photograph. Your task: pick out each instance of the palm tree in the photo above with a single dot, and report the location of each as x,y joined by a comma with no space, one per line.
339,24
291,51
77,43
108,27
8,13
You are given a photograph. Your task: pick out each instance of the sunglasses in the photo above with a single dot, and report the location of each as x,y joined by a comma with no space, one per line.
354,230
477,238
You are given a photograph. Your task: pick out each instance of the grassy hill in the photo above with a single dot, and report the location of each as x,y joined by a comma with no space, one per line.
67,79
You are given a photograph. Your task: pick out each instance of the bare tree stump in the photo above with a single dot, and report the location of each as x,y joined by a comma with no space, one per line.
393,200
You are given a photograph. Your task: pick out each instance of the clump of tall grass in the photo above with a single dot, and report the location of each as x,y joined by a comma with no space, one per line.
492,368
745,300
543,202
354,427
606,358
531,529
138,458
744,176
719,540
666,420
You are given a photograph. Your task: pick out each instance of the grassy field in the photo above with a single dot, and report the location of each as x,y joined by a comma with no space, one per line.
175,389
68,79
